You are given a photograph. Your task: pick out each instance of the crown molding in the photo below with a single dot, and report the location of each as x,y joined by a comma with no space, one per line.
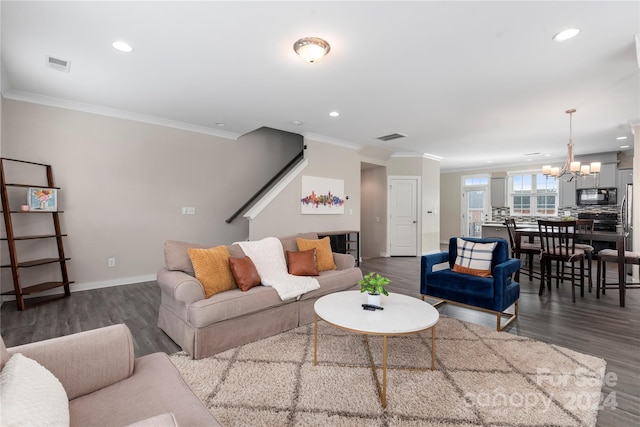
332,141
18,95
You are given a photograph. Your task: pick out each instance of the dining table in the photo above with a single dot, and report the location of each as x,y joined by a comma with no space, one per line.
618,237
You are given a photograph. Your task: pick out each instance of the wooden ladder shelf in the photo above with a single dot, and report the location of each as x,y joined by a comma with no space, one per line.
15,265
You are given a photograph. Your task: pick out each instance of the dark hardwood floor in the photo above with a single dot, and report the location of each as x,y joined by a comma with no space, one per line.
597,327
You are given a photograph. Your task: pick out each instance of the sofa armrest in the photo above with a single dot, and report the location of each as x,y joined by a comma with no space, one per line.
343,261
86,361
427,262
504,270
180,286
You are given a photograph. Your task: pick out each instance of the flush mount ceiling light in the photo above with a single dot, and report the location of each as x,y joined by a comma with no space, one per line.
311,49
566,34
122,46
570,165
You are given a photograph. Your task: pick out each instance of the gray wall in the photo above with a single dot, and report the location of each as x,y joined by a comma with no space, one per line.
283,217
373,241
123,184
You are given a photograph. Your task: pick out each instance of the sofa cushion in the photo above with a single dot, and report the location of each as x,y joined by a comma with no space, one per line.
452,282
335,281
324,256
474,258
302,263
176,256
4,354
156,387
289,242
162,420
31,395
212,269
244,273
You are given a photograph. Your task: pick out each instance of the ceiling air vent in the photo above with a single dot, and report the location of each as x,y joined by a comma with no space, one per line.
58,64
391,136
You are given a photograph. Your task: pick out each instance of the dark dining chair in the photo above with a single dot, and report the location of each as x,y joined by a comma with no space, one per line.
611,255
519,248
558,240
586,226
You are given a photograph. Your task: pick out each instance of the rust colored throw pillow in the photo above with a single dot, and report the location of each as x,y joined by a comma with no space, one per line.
244,272
324,256
212,269
302,263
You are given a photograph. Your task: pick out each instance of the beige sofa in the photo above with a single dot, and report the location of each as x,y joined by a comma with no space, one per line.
104,384
206,326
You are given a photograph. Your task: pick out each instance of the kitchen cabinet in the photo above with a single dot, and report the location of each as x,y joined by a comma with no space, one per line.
498,192
495,230
625,176
606,178
566,192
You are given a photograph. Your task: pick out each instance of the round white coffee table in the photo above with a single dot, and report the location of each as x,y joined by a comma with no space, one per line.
402,315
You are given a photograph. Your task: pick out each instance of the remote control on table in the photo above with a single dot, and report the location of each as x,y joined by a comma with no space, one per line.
371,306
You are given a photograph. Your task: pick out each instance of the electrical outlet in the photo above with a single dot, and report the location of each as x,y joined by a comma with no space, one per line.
188,211
111,262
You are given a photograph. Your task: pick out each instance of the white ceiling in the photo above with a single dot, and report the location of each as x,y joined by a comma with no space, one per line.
471,82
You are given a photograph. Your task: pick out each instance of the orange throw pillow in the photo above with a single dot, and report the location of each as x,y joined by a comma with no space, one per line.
324,256
302,263
212,269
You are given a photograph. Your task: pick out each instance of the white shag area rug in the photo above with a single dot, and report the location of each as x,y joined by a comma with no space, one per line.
482,378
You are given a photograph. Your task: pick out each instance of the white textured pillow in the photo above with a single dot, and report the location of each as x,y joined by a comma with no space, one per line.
31,395
474,258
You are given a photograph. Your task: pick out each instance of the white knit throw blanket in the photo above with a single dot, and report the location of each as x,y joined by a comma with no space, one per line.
268,257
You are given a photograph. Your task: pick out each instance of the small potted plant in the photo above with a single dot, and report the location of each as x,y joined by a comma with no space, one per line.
373,283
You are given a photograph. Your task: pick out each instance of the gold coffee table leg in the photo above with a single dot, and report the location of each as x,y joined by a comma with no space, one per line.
384,371
433,347
315,341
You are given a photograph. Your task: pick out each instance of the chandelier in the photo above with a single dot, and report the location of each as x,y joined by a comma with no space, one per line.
570,165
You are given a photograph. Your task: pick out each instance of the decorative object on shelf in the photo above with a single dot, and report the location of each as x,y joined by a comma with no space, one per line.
43,199
311,49
373,283
571,166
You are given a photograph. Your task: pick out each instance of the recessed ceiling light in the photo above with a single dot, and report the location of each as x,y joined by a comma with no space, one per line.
220,124
624,146
529,160
547,155
334,114
566,34
122,46
297,122
620,138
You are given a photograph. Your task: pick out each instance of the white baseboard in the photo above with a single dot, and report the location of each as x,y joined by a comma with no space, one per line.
87,286
384,254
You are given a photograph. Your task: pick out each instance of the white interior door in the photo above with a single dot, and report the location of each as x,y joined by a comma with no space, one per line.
403,216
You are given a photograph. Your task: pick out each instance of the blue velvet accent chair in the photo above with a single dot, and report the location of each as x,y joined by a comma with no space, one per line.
493,294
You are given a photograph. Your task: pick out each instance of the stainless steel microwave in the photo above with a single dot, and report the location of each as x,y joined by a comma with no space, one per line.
597,196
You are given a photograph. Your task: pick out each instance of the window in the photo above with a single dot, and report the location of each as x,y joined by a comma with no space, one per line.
476,180
533,195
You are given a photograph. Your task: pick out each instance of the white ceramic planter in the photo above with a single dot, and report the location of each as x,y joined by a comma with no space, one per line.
374,299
